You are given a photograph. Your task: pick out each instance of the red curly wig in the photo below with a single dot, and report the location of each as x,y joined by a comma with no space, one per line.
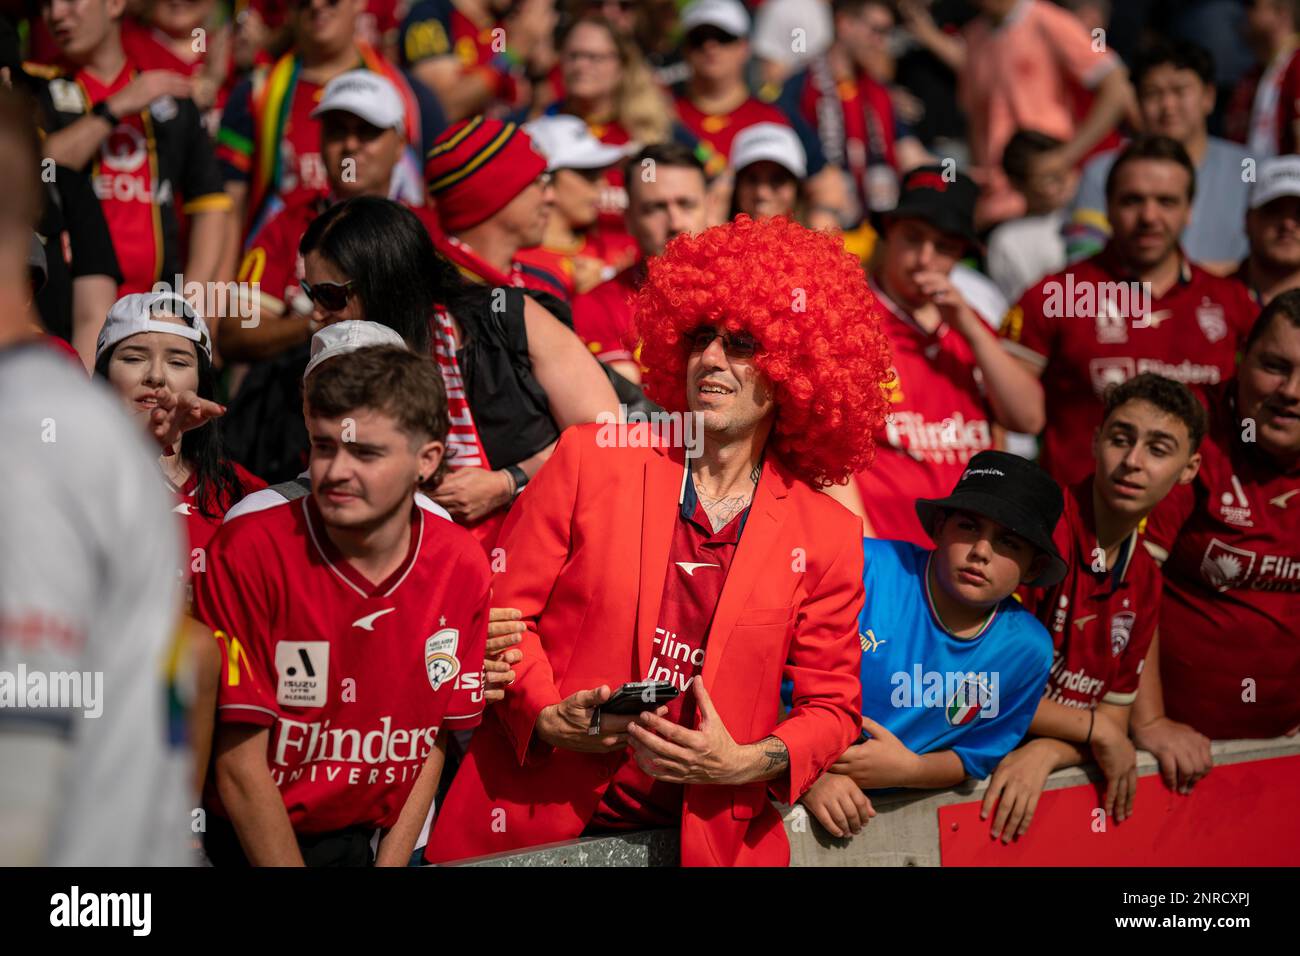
807,302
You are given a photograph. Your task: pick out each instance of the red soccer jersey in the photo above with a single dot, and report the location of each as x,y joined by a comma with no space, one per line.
125,182
353,679
698,561
1231,612
1101,622
937,420
604,319
718,130
200,527
1088,327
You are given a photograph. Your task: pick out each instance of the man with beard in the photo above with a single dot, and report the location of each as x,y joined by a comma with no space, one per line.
1140,305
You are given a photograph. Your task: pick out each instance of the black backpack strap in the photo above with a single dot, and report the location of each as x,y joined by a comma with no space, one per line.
293,490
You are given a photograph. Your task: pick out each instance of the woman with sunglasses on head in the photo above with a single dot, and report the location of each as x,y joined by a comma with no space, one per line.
516,376
154,350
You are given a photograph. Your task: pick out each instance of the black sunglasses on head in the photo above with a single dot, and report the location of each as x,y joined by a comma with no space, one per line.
702,35
330,296
739,345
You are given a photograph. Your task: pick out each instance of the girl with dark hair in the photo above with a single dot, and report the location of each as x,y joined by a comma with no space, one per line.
515,375
154,347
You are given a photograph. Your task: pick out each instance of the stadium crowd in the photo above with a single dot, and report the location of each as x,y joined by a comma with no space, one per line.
435,428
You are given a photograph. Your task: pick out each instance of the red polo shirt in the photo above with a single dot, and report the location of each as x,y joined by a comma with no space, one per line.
698,561
1063,325
1230,542
1101,622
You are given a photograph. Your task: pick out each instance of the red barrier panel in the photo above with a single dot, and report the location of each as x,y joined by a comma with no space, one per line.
1242,814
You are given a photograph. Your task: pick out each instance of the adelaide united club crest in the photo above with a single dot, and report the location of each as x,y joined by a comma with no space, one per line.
440,660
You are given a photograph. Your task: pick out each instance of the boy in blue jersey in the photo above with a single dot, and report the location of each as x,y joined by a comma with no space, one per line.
952,667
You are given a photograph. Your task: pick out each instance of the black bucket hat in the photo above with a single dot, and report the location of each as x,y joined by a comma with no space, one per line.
1015,493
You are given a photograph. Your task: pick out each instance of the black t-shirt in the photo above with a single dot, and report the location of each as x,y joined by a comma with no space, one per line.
77,244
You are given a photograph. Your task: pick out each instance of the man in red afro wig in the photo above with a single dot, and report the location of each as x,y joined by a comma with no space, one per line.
821,358
691,575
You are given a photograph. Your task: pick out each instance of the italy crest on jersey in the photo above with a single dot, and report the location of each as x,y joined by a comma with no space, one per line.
440,660
969,697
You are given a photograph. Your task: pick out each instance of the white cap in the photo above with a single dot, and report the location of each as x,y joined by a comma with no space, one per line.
728,15
771,141
366,94
143,312
1275,178
566,143
340,338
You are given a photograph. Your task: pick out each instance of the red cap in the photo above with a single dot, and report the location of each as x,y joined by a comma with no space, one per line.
476,167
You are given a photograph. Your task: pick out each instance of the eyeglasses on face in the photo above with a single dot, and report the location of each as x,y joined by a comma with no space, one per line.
737,345
330,296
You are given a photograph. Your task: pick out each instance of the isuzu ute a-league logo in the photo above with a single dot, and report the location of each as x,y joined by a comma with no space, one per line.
440,660
303,668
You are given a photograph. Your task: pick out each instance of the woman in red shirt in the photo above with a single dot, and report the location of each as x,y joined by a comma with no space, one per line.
154,346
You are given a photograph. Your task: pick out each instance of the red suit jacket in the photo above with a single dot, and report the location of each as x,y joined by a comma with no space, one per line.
586,550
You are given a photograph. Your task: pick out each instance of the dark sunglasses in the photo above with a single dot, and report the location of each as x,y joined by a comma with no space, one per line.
739,345
330,296
309,4
621,4
702,35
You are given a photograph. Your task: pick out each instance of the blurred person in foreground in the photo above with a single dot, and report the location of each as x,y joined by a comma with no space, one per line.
100,774
776,387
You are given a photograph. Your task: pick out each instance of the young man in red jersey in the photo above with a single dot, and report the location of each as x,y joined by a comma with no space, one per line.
1226,661
1103,615
353,630
142,140
950,379
1140,305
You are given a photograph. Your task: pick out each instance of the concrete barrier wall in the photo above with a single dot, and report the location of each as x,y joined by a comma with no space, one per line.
905,831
